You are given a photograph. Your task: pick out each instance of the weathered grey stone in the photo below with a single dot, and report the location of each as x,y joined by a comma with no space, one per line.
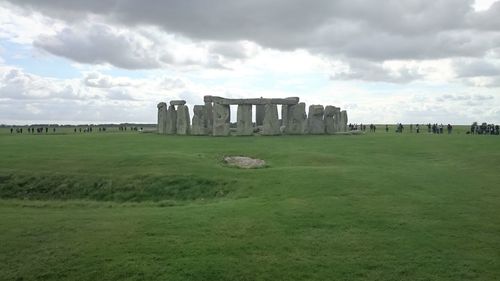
260,110
222,115
296,119
343,121
252,101
315,122
199,124
183,120
162,118
336,120
284,115
258,101
177,102
171,127
209,117
329,118
271,126
244,120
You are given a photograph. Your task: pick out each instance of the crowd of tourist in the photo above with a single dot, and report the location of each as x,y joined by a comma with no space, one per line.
32,130
475,128
484,129
431,128
77,129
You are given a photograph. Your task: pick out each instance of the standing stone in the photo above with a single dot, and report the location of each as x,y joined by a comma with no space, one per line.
183,120
315,122
209,116
336,119
222,116
284,114
199,124
162,118
271,125
296,119
330,119
260,111
171,128
244,120
343,121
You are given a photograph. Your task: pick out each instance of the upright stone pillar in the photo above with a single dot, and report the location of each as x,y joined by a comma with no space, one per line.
284,115
330,119
162,118
199,124
244,120
183,120
171,127
336,120
343,120
296,119
222,117
315,122
260,111
209,116
271,126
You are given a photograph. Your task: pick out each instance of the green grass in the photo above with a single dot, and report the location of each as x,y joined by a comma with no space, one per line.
127,206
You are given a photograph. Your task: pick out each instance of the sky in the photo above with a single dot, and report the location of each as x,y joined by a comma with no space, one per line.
102,61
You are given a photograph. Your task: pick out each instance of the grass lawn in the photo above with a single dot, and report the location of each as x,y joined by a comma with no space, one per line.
130,206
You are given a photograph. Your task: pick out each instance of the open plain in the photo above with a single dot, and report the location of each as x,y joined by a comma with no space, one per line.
131,206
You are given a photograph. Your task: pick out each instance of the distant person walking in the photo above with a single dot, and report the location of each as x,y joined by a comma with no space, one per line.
387,128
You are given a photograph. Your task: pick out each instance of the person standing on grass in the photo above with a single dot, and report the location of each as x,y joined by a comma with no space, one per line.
429,127
387,128
449,128
418,128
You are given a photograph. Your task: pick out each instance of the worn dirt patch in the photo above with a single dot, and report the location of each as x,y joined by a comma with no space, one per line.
244,162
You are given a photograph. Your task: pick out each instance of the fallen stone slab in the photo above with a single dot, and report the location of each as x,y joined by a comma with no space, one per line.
244,162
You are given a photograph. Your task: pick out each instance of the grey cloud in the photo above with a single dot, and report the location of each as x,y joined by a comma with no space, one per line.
375,30
486,20
370,71
475,68
97,44
235,50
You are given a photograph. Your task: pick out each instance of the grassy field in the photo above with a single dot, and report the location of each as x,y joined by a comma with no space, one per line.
130,206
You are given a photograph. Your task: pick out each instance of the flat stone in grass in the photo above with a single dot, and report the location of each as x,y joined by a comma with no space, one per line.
244,162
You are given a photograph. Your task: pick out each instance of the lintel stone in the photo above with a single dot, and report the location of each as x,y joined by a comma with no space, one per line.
177,102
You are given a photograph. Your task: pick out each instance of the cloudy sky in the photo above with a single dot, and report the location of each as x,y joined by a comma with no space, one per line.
412,61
